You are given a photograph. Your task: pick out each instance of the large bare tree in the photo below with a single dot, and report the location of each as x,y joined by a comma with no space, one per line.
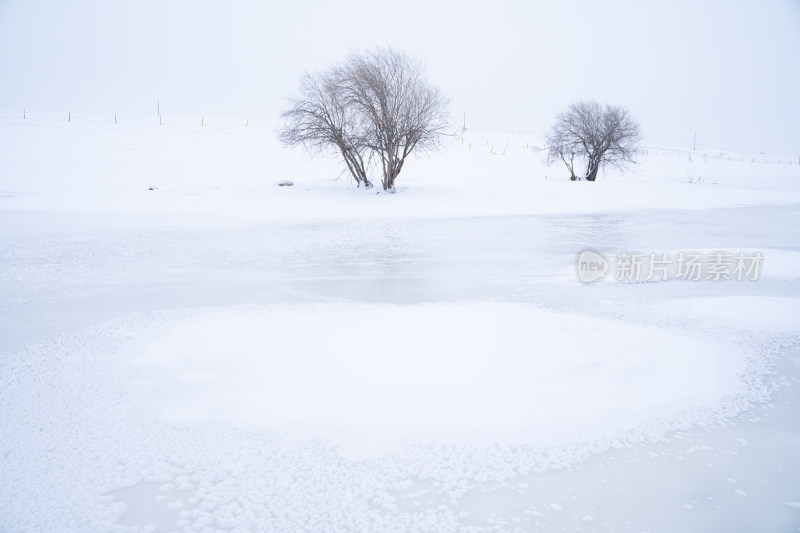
594,134
377,103
320,120
402,111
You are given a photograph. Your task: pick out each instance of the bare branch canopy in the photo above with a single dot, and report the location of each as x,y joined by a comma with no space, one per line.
375,106
595,135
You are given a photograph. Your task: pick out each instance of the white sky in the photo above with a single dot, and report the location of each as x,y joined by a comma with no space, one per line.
729,69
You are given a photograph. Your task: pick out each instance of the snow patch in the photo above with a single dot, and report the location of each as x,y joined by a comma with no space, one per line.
762,313
378,376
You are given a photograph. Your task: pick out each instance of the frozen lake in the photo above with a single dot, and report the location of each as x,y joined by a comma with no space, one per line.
84,296
63,271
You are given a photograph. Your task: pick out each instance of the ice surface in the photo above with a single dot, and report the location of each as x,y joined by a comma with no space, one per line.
222,354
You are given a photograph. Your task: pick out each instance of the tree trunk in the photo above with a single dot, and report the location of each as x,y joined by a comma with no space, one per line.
592,168
391,171
355,165
388,182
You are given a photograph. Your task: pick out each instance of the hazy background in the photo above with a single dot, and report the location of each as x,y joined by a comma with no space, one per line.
728,69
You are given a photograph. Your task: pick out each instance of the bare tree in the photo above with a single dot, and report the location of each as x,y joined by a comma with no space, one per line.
403,112
377,103
594,134
320,121
561,148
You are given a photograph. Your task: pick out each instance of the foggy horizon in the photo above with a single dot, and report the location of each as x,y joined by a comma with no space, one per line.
725,70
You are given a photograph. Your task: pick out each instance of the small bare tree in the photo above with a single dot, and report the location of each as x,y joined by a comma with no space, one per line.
402,111
595,134
320,121
561,148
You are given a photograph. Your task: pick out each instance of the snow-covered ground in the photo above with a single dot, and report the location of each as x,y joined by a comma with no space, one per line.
223,354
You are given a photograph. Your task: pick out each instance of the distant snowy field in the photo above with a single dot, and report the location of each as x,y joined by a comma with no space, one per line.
224,354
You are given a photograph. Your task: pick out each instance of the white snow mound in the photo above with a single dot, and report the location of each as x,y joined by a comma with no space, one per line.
383,375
